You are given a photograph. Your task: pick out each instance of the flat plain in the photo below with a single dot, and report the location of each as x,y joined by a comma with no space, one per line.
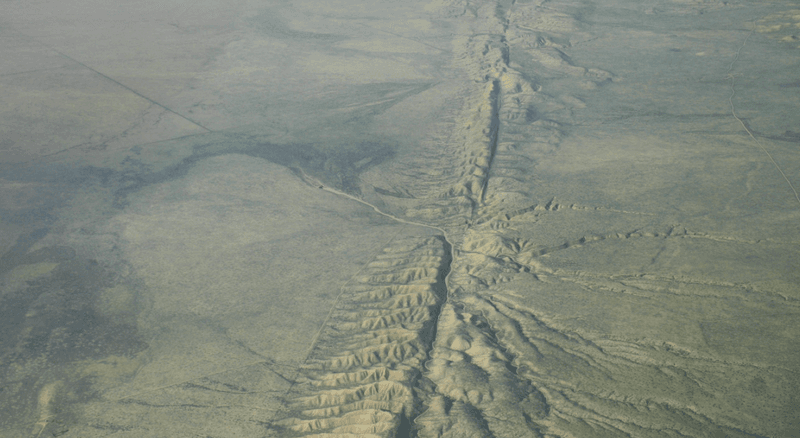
435,218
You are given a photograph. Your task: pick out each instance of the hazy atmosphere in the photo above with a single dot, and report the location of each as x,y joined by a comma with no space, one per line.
434,218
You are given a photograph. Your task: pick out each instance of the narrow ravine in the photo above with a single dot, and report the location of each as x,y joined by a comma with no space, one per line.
364,373
433,219
505,322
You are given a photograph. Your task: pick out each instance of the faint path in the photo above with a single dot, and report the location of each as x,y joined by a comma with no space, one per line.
315,182
750,133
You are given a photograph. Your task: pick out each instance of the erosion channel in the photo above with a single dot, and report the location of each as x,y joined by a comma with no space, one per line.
433,218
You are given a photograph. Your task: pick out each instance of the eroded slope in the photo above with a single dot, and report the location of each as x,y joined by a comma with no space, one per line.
596,303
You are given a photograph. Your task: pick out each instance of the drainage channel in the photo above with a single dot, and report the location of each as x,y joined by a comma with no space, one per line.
375,339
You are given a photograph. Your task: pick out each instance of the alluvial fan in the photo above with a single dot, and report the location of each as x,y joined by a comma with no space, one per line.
362,377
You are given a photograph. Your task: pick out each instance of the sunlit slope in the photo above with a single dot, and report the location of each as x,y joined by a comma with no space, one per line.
362,376
431,219
626,253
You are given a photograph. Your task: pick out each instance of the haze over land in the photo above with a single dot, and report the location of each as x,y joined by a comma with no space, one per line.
400,219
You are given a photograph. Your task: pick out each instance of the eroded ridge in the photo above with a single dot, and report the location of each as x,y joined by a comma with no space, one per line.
502,366
362,376
530,120
485,160
478,390
505,369
505,361
483,54
502,371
